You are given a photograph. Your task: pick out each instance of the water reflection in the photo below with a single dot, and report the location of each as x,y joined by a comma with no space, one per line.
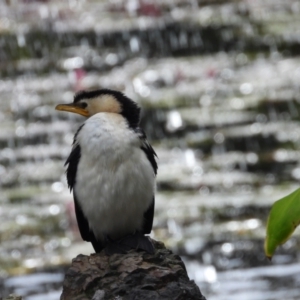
219,85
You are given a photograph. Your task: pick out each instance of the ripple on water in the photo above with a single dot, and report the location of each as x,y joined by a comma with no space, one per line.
223,114
35,286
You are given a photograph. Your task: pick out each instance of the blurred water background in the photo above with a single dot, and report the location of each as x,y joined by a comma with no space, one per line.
219,83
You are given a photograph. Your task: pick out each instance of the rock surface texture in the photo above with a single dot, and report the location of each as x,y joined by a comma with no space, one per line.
132,276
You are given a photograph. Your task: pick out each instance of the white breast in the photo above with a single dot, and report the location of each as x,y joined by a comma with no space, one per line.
115,181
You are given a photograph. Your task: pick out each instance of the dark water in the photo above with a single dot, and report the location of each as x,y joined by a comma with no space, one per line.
219,87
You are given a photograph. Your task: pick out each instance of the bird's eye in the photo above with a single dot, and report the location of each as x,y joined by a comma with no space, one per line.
82,104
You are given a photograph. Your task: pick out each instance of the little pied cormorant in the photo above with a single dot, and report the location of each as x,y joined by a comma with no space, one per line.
111,170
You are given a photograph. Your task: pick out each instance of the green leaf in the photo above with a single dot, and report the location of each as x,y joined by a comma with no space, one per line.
283,219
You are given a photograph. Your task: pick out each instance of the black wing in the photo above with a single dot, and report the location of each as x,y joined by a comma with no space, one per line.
72,161
147,148
72,164
148,218
83,225
150,153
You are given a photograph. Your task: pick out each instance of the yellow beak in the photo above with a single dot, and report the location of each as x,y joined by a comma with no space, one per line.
72,107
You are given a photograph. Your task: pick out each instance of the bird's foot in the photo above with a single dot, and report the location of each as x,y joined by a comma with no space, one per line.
136,241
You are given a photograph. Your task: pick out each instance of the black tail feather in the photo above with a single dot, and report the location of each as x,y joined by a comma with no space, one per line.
135,241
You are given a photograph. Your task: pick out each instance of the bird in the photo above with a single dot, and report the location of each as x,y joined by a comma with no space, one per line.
111,171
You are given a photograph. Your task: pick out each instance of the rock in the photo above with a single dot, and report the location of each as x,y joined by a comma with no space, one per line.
135,275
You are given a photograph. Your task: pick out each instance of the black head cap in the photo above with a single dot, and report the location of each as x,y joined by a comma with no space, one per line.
129,109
